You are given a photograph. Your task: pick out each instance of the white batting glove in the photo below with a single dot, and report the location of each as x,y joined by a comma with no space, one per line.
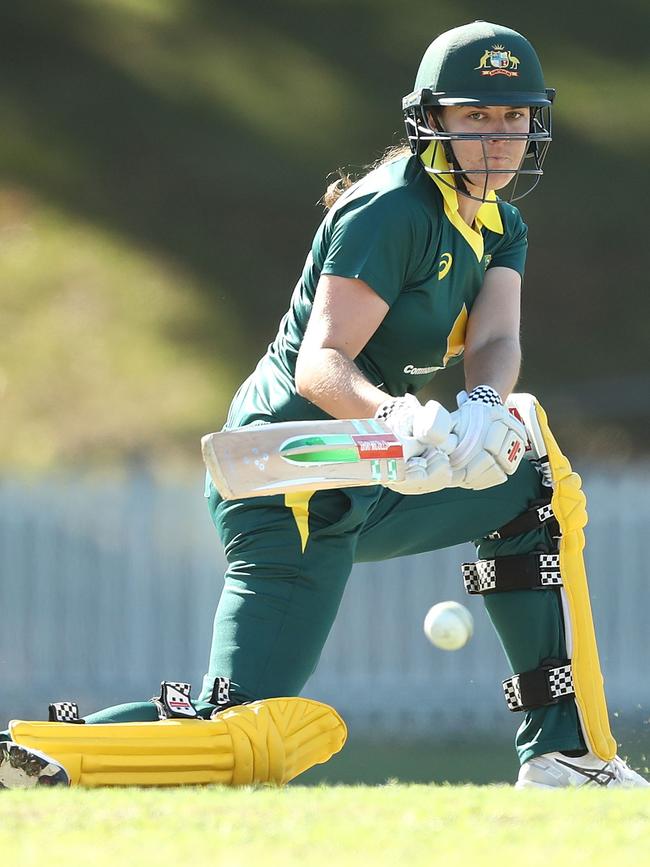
425,473
426,438
491,441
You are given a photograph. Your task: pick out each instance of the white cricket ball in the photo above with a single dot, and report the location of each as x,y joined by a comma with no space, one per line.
448,625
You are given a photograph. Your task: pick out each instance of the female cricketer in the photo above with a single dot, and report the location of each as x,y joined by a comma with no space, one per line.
416,266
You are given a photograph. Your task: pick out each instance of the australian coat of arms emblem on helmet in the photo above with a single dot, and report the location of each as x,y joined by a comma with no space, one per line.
498,61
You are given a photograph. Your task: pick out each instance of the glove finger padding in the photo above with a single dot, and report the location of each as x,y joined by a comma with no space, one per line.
426,438
468,426
432,425
482,472
425,474
418,426
411,447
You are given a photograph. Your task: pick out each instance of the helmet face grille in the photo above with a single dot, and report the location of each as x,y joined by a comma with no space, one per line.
420,133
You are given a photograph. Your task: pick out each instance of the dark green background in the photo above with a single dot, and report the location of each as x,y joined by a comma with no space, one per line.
201,132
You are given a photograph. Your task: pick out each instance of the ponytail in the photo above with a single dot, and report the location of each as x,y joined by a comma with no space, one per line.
344,180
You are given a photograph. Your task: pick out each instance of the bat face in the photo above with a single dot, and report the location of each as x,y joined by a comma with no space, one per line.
271,459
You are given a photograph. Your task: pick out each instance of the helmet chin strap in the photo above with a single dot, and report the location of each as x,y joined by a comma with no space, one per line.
461,180
460,177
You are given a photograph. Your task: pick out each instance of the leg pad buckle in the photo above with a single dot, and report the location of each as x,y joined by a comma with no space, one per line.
525,572
548,684
65,712
174,701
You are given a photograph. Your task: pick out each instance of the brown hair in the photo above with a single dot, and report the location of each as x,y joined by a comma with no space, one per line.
345,179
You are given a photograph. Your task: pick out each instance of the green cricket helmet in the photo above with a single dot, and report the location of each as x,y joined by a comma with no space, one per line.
480,64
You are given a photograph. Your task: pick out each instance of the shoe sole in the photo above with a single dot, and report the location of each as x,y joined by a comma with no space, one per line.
21,768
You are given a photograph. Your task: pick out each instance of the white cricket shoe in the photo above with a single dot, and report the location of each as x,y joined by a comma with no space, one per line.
21,768
555,770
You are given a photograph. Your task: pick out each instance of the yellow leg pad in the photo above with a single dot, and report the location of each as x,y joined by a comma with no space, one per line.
268,741
569,506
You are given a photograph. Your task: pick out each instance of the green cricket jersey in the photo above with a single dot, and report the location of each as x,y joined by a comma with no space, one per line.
398,229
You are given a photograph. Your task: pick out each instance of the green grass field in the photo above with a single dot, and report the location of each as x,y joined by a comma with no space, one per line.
312,826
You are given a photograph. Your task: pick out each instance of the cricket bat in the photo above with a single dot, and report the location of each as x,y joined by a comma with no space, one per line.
294,456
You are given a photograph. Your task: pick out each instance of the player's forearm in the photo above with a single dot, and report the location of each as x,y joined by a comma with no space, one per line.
496,363
333,382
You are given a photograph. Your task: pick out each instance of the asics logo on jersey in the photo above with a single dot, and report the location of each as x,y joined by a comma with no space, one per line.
444,265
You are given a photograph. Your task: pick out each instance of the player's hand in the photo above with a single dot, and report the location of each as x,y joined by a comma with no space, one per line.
425,473
491,441
425,435
418,427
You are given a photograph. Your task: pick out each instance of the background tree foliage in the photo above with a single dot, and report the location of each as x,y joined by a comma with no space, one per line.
162,161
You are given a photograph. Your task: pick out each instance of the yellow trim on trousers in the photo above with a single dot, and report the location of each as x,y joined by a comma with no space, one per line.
299,505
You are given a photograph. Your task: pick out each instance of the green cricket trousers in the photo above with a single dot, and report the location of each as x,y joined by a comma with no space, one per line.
289,561
288,565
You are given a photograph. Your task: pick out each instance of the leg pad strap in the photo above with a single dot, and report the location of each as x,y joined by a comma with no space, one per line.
175,701
65,712
545,685
525,572
539,514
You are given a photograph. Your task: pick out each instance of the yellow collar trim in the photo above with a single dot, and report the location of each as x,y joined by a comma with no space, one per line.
487,215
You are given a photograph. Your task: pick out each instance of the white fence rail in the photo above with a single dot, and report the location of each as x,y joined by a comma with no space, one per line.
107,587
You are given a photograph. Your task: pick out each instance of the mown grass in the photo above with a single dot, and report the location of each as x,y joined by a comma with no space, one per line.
389,824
